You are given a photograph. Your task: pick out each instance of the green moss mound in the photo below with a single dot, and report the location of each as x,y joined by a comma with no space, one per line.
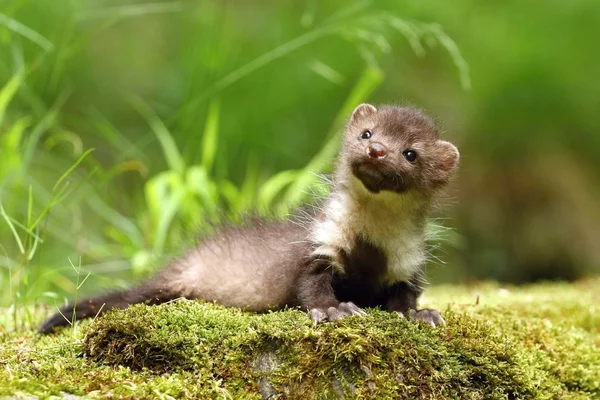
491,353
534,342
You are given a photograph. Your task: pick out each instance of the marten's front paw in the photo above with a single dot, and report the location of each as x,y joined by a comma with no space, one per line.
427,315
334,313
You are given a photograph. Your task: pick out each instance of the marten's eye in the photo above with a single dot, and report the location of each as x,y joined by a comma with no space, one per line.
366,134
410,155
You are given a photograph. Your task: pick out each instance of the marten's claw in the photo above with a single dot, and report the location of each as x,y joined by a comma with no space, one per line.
427,315
334,313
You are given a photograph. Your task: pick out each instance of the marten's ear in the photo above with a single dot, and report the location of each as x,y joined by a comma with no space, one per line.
362,111
446,159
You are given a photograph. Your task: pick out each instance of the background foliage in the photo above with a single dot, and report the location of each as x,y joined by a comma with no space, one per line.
126,127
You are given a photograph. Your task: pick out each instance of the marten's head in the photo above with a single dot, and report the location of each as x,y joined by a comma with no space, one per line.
397,149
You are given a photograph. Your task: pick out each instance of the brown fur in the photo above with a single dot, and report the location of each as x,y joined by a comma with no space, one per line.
411,130
365,248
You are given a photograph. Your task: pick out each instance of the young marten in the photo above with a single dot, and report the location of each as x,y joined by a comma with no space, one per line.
364,248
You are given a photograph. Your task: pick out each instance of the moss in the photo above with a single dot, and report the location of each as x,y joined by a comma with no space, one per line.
532,342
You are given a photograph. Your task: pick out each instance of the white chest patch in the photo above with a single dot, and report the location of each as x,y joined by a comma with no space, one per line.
387,220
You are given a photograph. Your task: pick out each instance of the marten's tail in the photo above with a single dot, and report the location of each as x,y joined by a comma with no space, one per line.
91,307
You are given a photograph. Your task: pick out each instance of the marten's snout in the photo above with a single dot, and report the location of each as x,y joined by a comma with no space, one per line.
376,151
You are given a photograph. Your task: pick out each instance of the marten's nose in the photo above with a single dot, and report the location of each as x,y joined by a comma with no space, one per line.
376,150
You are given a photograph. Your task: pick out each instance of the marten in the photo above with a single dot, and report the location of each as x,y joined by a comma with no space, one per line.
364,247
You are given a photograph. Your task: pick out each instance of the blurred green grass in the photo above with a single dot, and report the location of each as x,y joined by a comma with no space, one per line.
203,110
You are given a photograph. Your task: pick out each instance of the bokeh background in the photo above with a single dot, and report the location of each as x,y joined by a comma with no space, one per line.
127,127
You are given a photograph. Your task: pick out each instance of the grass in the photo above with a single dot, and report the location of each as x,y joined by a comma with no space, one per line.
540,341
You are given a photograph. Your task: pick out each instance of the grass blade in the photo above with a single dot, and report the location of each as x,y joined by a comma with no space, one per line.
198,182
24,228
271,56
30,205
59,196
455,54
409,33
353,9
10,143
36,240
116,220
164,194
249,186
259,62
47,121
324,70
273,187
210,136
113,136
12,228
8,91
27,32
71,168
130,10
229,192
167,143
65,136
